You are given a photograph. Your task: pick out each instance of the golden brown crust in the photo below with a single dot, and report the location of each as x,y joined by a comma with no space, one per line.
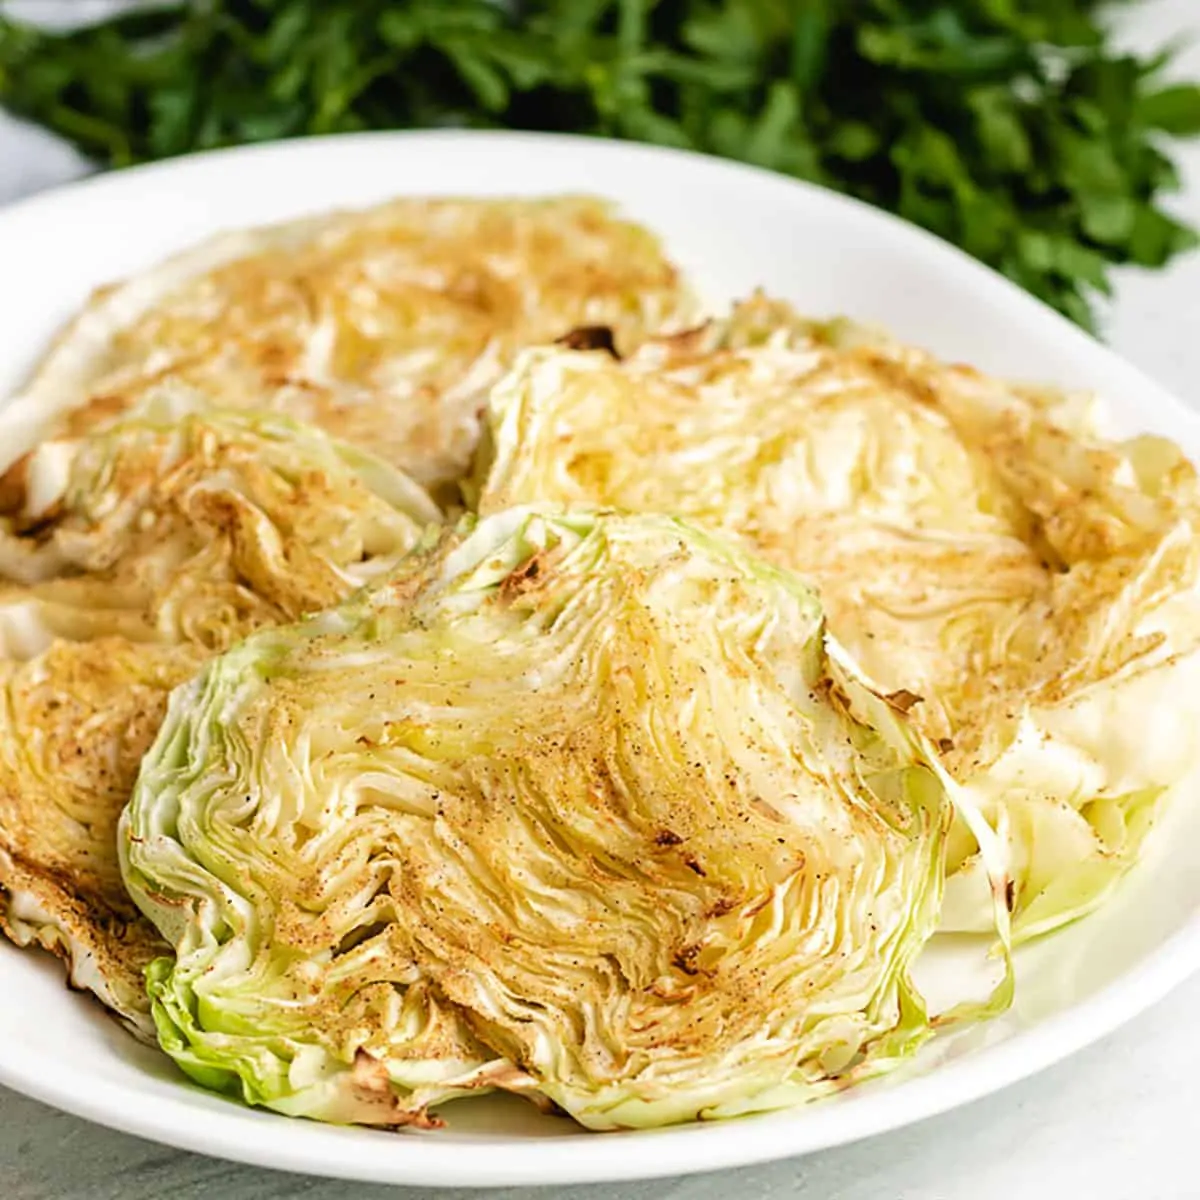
74,724
966,535
385,327
165,543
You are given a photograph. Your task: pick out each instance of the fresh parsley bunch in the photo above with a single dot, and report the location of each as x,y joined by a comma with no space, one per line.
1014,128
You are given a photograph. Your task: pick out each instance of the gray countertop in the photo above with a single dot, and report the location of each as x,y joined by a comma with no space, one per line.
1115,1122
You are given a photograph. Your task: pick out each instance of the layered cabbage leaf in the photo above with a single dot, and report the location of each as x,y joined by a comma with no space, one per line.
129,556
575,805
1026,586
384,326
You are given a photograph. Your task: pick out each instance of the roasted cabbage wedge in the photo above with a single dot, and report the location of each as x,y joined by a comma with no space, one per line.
590,784
1027,587
131,556
384,326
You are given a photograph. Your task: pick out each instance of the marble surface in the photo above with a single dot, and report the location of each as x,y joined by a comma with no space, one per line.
1116,1122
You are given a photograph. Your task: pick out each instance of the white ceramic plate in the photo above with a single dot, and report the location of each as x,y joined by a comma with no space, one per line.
733,228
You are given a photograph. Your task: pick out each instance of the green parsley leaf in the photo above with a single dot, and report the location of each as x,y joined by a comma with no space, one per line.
1014,128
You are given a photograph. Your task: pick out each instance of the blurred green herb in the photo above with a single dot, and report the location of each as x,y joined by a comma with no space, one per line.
1014,128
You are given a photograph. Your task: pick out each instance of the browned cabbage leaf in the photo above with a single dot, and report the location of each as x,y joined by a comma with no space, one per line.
385,327
594,781
1027,587
131,555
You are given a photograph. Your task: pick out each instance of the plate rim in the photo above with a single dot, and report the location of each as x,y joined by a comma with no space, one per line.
279,1143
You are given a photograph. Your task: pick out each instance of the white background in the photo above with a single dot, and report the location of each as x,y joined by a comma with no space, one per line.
1120,1121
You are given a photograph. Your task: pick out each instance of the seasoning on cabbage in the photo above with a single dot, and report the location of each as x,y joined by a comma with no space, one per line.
577,806
1030,585
128,557
384,326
